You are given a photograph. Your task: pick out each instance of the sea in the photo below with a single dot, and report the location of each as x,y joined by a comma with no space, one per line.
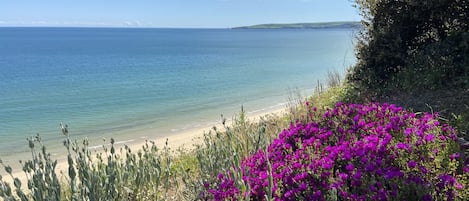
110,82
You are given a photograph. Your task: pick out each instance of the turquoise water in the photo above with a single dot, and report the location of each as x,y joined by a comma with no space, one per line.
102,81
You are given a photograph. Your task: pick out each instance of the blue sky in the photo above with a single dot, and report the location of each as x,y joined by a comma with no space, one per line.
172,13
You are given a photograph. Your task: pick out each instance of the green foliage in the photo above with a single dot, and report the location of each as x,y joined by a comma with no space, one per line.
123,175
107,175
408,41
42,180
224,149
327,98
440,64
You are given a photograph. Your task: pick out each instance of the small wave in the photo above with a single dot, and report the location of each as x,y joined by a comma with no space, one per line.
118,142
257,111
278,105
122,142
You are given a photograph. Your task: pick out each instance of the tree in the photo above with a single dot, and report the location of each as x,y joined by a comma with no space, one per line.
411,41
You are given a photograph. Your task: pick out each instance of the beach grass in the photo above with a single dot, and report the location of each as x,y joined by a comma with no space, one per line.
149,173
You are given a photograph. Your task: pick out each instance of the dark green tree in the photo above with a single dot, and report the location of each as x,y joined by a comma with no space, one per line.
411,44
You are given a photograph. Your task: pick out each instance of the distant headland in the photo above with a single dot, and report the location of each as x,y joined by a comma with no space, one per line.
317,25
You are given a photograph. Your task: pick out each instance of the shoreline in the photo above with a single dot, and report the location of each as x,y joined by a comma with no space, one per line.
137,134
185,139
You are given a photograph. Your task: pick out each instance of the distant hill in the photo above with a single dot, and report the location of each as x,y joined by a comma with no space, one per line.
319,25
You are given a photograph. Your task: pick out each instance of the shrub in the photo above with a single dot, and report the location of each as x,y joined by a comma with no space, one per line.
409,43
107,175
222,150
355,152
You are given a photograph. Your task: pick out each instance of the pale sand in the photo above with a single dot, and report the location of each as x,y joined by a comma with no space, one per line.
185,139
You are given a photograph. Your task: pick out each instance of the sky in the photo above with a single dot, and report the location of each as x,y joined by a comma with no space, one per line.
172,13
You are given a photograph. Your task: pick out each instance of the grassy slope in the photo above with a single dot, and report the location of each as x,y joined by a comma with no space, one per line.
451,104
154,173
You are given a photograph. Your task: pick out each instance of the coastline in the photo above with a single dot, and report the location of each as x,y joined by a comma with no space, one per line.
185,139
189,137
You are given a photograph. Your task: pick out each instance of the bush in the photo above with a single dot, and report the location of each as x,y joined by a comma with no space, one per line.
354,152
107,175
413,43
443,64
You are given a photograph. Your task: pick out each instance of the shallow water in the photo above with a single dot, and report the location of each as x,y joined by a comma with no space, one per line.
106,82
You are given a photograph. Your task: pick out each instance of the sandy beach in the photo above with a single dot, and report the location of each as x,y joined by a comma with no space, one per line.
185,139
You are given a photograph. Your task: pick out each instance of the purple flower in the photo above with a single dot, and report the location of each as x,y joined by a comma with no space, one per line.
357,176
327,163
442,138
393,174
429,137
349,167
361,123
423,170
403,146
407,132
458,186
454,156
370,167
411,164
465,169
447,179
363,152
343,176
427,197
347,156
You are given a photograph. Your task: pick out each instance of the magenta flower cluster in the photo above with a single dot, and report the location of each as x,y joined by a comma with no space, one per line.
354,152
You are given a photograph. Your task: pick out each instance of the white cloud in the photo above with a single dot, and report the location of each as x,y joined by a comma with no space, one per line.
134,23
74,23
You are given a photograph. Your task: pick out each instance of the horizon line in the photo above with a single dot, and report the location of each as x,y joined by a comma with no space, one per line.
112,27
157,27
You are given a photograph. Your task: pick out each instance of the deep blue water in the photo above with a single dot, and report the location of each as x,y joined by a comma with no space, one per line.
104,80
